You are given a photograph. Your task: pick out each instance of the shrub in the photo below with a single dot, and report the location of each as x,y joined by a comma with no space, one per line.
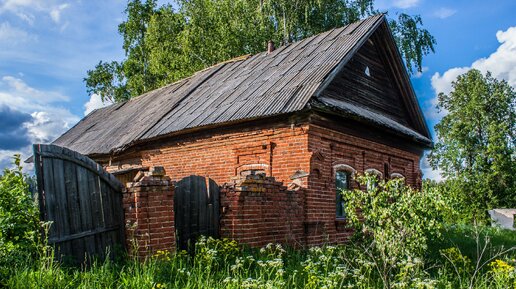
394,223
19,221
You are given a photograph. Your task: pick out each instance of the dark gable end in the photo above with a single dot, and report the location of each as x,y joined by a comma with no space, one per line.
250,88
367,82
373,86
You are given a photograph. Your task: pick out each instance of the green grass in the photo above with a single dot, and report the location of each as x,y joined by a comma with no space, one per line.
225,264
464,237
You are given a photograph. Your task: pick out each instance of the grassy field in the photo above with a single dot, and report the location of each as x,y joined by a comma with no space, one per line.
450,262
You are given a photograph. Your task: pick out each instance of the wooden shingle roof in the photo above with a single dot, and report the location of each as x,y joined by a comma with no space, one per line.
262,85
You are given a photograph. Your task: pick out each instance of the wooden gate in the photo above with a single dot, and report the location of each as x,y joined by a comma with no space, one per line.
83,202
196,207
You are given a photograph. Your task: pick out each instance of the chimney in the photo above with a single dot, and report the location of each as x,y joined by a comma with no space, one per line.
270,46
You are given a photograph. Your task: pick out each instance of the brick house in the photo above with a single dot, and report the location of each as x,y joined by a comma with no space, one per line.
277,132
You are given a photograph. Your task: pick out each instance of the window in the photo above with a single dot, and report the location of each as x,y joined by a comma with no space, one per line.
378,176
397,176
342,182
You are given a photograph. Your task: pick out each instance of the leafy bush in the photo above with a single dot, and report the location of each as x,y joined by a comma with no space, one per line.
394,223
19,221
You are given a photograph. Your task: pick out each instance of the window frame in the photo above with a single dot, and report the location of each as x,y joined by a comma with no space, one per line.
397,176
377,173
350,174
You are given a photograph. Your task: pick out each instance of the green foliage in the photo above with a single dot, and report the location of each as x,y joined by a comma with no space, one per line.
163,44
397,222
18,215
107,80
413,41
476,142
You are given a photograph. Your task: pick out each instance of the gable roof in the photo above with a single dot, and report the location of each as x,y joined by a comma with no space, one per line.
262,85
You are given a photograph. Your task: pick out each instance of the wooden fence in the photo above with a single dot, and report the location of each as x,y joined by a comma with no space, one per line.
83,202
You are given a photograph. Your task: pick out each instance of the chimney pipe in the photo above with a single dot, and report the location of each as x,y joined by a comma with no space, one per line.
270,46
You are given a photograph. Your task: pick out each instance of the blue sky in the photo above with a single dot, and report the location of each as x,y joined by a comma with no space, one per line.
46,47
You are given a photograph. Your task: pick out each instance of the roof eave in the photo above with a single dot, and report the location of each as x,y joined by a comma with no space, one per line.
421,141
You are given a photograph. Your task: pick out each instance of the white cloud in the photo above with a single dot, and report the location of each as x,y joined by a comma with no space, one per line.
55,13
94,103
442,83
27,9
48,121
404,4
501,63
21,90
444,12
428,172
11,36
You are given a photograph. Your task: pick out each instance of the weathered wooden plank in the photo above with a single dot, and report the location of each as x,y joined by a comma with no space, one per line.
215,209
83,234
62,210
38,169
50,198
85,209
73,199
202,206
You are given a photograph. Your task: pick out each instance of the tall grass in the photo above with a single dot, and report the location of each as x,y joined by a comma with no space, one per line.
450,263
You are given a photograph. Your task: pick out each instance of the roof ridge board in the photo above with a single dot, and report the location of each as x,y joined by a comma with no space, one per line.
190,91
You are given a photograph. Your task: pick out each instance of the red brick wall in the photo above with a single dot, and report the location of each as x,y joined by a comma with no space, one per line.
149,215
280,151
258,210
256,218
330,148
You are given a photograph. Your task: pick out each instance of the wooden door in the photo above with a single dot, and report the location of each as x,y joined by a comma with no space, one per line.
196,207
82,201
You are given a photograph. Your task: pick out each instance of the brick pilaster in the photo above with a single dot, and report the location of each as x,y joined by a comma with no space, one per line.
149,215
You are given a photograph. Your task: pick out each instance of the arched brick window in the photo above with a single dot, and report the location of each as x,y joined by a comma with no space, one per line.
343,176
370,184
397,176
